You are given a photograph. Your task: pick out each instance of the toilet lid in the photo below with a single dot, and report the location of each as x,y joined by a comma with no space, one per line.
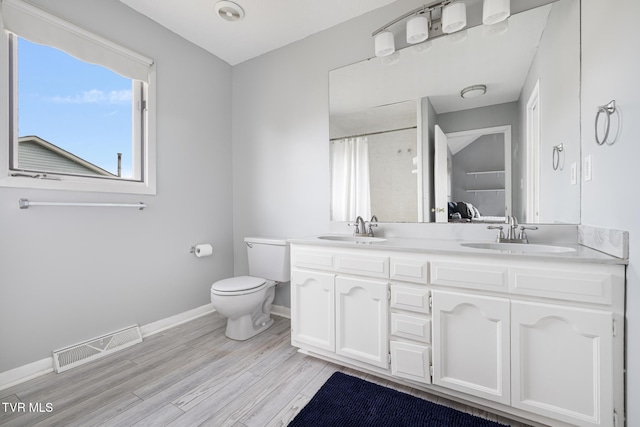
240,283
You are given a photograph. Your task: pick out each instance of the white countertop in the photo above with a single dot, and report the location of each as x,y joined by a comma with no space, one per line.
447,246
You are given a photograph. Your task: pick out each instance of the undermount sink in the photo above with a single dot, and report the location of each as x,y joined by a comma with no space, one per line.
352,239
519,247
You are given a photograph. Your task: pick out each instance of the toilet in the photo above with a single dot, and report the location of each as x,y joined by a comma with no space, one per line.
246,300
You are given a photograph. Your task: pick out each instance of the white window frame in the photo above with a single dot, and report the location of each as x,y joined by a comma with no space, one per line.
143,122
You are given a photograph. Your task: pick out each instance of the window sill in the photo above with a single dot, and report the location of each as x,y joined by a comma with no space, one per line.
80,184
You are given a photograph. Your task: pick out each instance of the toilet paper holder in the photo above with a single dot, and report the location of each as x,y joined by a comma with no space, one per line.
202,249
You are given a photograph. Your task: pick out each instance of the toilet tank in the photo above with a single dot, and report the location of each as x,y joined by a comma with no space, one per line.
268,258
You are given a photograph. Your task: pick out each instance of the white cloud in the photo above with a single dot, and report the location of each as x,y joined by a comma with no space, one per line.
95,96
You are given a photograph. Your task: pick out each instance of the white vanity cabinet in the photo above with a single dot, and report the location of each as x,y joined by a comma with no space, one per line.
410,318
336,309
471,344
562,362
361,320
567,342
313,296
539,338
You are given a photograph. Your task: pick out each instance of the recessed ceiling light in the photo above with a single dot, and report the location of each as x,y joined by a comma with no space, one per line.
473,91
229,11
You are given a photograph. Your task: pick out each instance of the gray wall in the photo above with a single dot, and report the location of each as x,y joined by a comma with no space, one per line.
428,136
70,274
281,133
610,70
484,154
557,65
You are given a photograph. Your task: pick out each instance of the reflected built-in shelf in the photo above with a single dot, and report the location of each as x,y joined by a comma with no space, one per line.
487,190
485,172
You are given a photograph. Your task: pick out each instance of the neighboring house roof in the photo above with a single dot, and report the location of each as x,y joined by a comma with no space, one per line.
34,153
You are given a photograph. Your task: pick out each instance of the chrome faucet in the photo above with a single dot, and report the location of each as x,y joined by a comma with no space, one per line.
372,223
361,228
512,228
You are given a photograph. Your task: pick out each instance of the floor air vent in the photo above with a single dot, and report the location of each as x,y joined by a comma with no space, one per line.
84,352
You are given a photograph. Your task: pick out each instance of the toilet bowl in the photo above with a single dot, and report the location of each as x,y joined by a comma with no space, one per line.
246,300
246,303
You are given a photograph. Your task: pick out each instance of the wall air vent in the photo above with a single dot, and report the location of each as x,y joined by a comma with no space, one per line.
81,353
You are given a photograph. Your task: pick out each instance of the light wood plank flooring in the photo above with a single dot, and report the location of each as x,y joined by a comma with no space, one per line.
189,375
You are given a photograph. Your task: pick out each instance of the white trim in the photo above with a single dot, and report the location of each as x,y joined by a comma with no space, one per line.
25,373
45,366
532,164
145,184
506,131
169,322
282,311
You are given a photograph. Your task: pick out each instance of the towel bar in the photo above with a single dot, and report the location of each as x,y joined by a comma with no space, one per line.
25,204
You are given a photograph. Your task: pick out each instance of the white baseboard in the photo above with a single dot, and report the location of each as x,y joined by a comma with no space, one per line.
280,310
44,366
178,319
25,373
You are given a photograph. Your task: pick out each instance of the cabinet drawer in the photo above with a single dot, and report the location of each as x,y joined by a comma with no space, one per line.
468,275
410,361
411,327
409,270
367,265
322,260
569,285
410,298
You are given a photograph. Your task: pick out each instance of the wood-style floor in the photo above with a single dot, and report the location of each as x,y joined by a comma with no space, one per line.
189,375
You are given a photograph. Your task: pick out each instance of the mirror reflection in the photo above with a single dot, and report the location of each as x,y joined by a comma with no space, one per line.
407,147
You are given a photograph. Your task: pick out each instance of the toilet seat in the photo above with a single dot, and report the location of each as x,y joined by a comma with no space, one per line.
238,285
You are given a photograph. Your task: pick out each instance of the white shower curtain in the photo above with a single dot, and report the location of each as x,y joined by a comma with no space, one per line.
350,186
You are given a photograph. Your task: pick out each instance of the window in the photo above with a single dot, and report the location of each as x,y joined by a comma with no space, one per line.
81,111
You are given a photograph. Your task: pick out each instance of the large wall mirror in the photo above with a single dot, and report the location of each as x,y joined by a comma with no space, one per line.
407,147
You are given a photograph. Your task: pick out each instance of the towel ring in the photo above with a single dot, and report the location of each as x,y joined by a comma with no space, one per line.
607,110
557,149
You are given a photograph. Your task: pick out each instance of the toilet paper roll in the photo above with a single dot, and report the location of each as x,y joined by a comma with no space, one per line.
203,249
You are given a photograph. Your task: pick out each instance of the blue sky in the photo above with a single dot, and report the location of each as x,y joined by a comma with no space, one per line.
80,107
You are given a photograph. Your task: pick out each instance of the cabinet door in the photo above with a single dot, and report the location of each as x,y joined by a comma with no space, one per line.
562,364
312,309
471,344
410,361
362,309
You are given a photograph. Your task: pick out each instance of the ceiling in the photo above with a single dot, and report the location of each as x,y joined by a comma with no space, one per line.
267,25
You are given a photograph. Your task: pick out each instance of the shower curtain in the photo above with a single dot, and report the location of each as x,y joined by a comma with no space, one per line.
350,186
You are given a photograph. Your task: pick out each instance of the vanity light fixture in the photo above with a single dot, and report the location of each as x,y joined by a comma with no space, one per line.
229,11
494,11
454,17
385,44
417,29
473,91
439,18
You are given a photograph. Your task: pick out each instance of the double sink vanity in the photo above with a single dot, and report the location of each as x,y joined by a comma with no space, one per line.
531,330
